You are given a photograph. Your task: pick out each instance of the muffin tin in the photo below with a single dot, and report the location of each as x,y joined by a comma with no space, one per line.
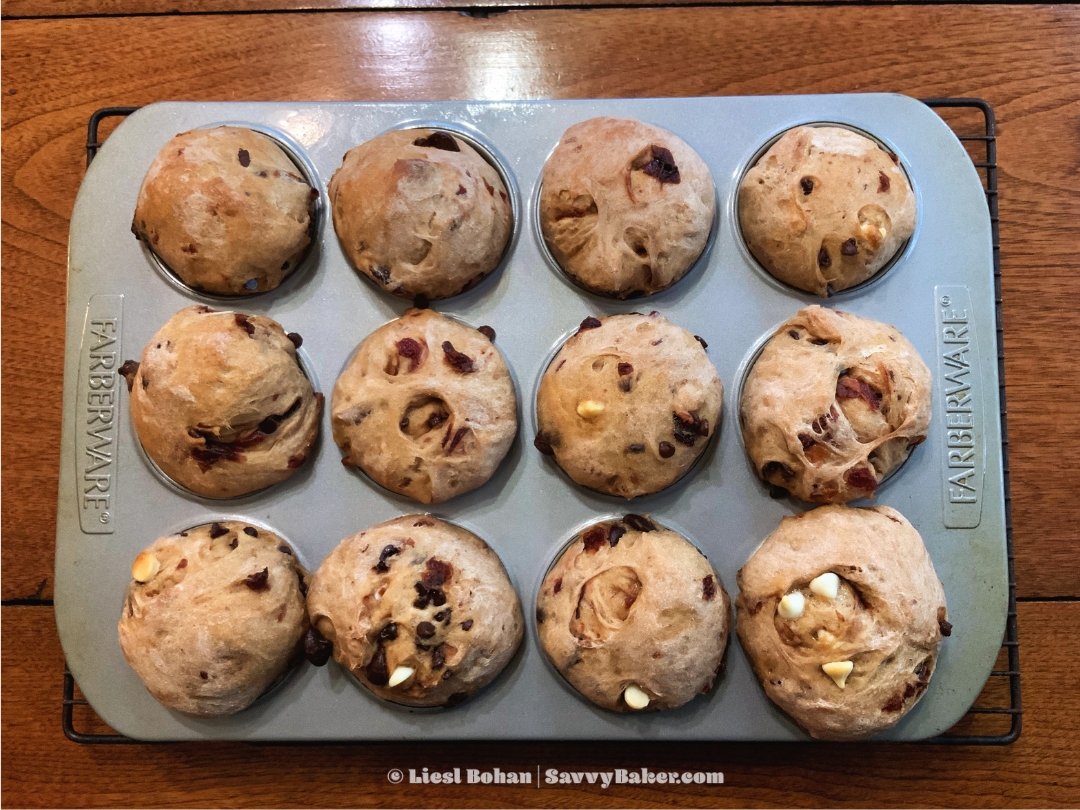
939,293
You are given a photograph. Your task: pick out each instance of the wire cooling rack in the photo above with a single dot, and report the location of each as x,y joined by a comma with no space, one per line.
972,728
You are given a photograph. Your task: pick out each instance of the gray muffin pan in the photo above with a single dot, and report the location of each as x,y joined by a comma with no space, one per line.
112,503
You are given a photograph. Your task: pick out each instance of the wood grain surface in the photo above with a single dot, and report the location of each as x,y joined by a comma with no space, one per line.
55,72
92,8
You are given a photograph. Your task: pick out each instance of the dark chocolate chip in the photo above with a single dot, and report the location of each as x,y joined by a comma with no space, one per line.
636,448
389,633
700,340
285,550
421,301
667,449
615,534
443,615
487,332
625,368
589,323
639,523
377,671
438,658
849,248
819,341
128,371
388,551
438,140
317,648
794,335
425,629
259,581
467,625
807,184
625,384
883,183
217,530
823,258
381,273
946,628
244,158
297,341
447,675
182,563
543,445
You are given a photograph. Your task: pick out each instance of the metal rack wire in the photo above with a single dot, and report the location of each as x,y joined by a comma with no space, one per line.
1010,644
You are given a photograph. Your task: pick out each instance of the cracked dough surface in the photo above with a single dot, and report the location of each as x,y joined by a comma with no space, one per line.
825,209
662,399
888,619
224,206
420,420
420,219
201,638
613,213
648,610
220,403
421,593
833,404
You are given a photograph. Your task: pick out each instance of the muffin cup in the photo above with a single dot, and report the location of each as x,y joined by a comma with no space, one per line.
309,372
534,424
308,262
493,158
743,373
736,223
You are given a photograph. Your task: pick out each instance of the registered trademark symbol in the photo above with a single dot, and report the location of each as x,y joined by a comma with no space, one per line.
945,300
104,517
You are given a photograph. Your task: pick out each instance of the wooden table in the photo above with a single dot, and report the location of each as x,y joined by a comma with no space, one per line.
75,56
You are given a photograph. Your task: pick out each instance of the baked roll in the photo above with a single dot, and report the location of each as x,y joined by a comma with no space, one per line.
226,210
634,616
841,614
825,209
426,406
420,213
833,404
628,404
220,403
420,611
626,208
213,616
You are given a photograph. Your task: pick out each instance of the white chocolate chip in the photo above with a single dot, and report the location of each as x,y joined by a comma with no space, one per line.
838,671
791,606
827,585
635,698
590,408
399,676
825,637
145,567
883,232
